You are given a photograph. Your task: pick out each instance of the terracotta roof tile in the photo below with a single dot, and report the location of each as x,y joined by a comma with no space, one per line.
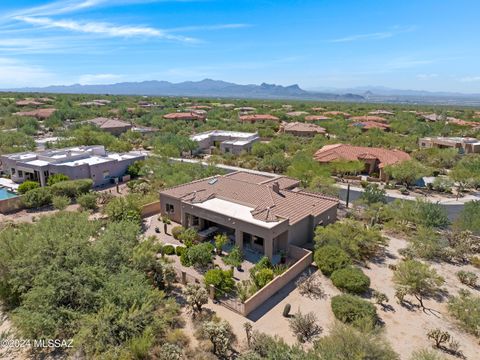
258,117
385,157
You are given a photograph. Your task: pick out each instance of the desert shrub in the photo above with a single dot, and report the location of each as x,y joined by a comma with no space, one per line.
305,326
330,258
438,336
88,201
222,280
468,278
351,279
188,237
72,188
465,307
234,257
56,178
475,261
199,255
179,250
347,343
169,249
123,208
60,202
27,186
176,231
352,309
38,197
426,354
359,242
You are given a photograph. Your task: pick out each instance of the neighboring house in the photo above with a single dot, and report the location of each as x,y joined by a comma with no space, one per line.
316,118
40,114
245,109
318,109
296,113
337,113
375,159
466,145
433,117
259,213
227,141
96,102
113,126
258,118
460,122
188,116
301,129
29,102
368,125
381,112
377,119
82,162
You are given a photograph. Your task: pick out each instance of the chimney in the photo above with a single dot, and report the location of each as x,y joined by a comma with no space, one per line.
276,187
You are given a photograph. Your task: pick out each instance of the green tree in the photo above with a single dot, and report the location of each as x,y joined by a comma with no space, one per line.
407,172
373,194
469,218
359,242
123,208
220,241
417,279
305,168
199,255
344,167
222,280
234,257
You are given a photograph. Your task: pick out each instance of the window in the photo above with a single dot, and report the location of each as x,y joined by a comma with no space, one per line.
13,171
20,173
258,241
170,208
106,174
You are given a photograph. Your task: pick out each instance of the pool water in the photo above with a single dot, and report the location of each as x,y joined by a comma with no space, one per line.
6,194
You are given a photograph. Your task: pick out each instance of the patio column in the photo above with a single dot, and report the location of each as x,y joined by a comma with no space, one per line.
201,223
239,238
268,247
184,219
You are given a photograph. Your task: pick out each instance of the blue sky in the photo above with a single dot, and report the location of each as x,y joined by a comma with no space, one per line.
408,44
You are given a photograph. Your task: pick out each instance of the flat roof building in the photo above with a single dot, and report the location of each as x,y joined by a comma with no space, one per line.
259,213
227,141
466,145
82,162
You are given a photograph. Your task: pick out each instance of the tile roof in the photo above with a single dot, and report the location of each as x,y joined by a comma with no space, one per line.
258,117
268,204
296,113
316,118
28,102
367,125
385,157
377,119
301,127
184,116
107,123
335,113
39,113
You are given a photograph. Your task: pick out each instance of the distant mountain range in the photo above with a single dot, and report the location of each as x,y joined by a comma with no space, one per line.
389,95
204,88
223,89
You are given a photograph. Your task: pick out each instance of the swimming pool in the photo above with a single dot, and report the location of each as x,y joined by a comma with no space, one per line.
6,194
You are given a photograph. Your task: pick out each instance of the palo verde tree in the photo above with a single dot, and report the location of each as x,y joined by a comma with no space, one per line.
417,279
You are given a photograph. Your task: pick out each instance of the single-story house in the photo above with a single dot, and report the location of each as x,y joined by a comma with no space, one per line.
40,114
368,125
253,118
259,213
301,129
113,126
466,145
375,159
227,141
185,116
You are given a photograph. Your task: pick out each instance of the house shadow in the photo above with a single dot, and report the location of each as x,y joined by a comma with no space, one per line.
276,298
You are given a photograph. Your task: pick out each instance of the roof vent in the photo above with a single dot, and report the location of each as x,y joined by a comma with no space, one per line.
213,181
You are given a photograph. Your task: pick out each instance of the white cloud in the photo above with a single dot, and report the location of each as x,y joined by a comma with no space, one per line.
426,76
15,73
209,27
407,63
376,35
469,79
105,29
95,79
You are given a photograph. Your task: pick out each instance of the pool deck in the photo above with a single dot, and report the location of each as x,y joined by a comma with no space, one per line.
9,184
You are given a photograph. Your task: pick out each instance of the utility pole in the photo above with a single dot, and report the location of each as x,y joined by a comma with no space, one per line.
348,195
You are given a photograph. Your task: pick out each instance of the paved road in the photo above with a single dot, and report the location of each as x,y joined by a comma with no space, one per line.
452,209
